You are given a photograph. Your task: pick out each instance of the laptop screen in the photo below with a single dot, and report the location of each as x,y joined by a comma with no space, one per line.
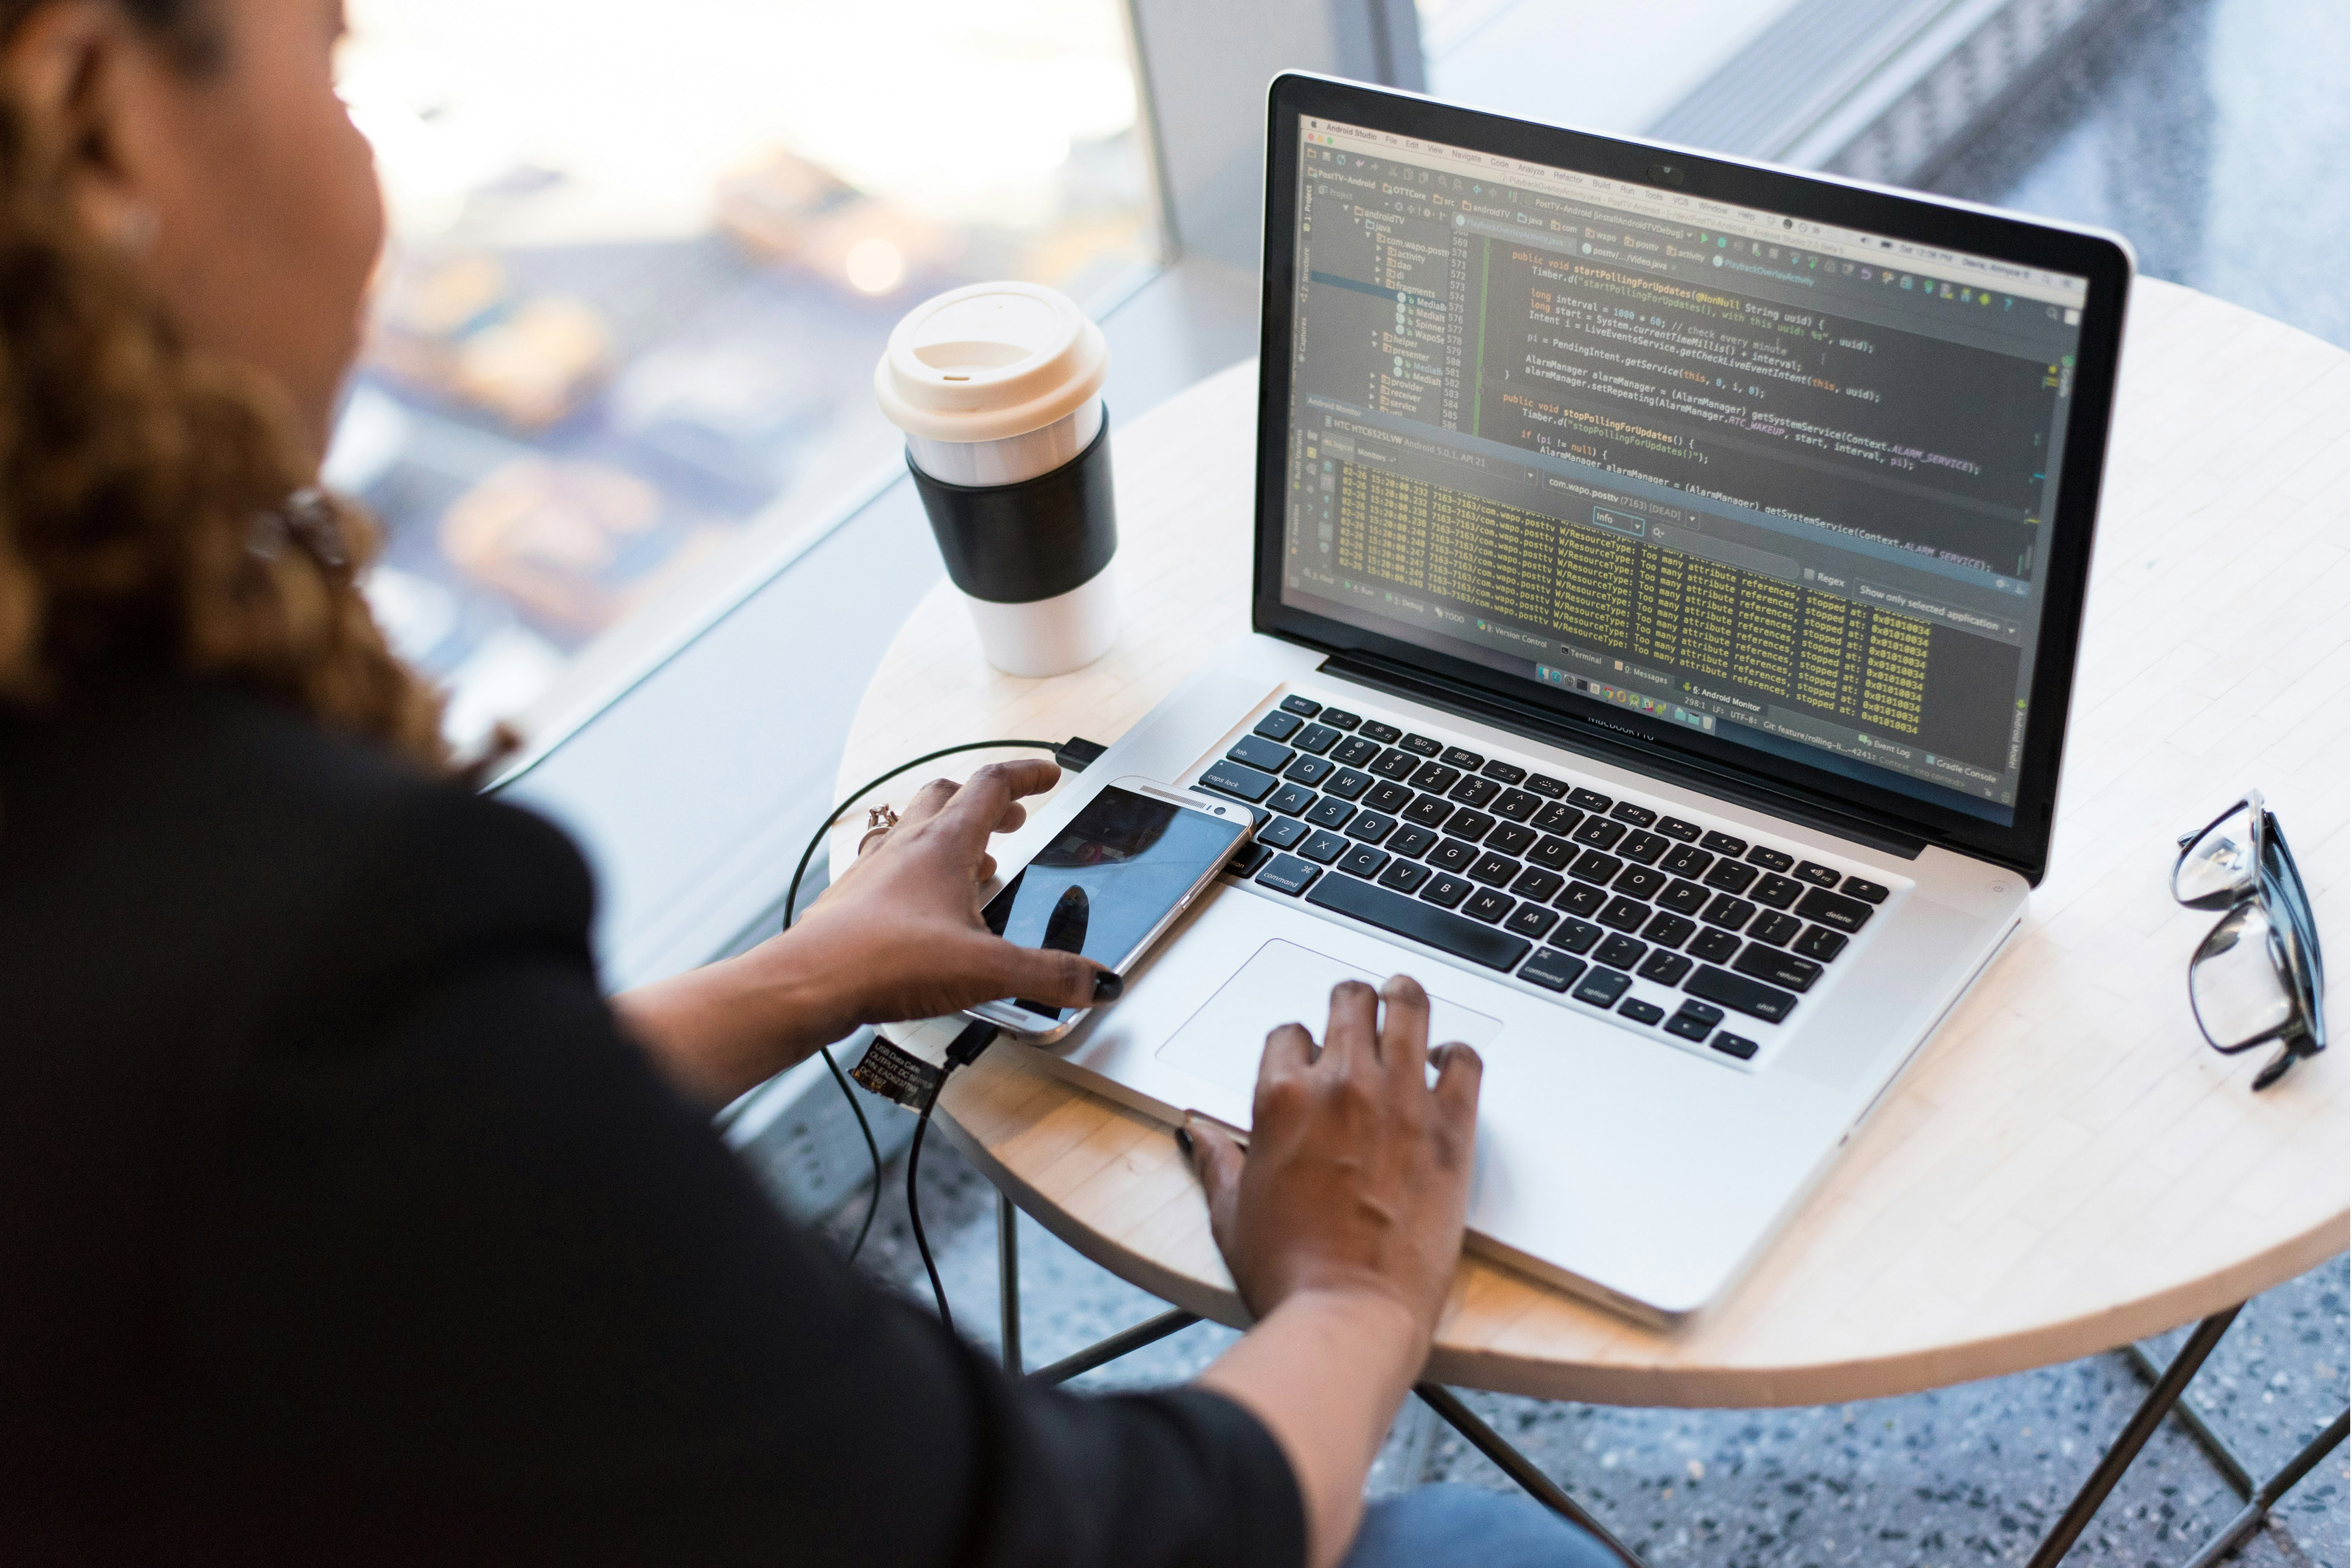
1779,482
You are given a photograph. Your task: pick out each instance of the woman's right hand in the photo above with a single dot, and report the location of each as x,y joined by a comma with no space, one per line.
1358,1173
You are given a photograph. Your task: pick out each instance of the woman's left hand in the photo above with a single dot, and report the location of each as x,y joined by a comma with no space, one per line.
897,935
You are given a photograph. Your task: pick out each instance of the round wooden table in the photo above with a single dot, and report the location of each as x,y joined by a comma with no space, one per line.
2068,1166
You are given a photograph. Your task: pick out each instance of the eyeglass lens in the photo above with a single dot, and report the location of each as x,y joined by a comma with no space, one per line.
2238,982
2221,865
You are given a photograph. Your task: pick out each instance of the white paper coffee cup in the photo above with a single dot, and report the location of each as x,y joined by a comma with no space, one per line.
999,389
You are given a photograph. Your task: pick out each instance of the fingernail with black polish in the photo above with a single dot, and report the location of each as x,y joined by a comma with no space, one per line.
1184,1141
1108,985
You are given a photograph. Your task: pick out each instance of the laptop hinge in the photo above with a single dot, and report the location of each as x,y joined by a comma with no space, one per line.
1559,730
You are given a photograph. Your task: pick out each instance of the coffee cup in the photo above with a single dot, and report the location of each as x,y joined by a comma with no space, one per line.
999,389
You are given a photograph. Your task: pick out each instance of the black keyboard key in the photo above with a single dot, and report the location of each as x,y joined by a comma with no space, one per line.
1740,994
1386,734
1553,853
1622,913
1495,870
1713,946
1732,1045
1776,893
1311,771
1446,890
1637,815
1516,804
1837,914
1347,783
1727,913
1280,726
1316,738
1502,772
1340,718
1536,883
1595,866
1868,892
1404,876
1418,921
1241,782
1641,882
1283,831
1292,799
1471,824
1429,811
1330,812
1288,874
1819,875
1371,826
1395,764
1323,847
1580,898
1577,936
1774,927
1552,969
1599,832
1248,861
1782,969
1820,944
1618,952
1771,860
1729,877
1545,785
1601,987
1421,745
1305,707
1642,847
1257,752
1458,757
1669,930
1354,751
1589,799
1364,860
1695,1021
1558,818
1488,905
1474,792
1454,855
1512,839
1413,843
1665,968
1682,897
1688,860
1531,921
1674,827
1725,844
1436,777
1388,797
1641,1012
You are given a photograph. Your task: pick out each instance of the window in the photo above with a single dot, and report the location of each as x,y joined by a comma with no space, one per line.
642,260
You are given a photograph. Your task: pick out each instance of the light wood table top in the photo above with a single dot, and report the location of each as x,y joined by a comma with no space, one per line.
2067,1166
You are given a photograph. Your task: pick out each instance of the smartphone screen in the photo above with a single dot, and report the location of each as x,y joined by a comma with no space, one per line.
1109,876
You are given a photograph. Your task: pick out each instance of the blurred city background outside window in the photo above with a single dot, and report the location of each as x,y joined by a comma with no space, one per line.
624,329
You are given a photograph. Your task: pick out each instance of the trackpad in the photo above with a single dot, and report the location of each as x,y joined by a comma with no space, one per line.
1286,984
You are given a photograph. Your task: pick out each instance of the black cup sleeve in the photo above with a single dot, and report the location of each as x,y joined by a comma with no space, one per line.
1016,545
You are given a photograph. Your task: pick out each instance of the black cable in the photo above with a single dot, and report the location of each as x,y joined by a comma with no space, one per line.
915,1209
1073,754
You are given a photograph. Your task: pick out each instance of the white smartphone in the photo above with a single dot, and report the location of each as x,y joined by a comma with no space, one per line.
1110,883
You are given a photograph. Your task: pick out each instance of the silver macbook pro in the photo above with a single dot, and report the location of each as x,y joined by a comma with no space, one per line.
1669,575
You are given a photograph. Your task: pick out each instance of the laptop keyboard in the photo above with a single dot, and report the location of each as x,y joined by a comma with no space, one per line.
1562,886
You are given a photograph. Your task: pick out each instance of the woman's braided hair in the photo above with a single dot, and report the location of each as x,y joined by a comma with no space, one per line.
156,513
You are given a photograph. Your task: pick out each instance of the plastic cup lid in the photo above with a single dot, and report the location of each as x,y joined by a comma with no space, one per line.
990,360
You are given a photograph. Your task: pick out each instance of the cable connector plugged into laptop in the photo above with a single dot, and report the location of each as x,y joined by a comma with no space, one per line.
1078,753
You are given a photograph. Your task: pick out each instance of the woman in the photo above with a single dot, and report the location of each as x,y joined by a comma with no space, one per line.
344,1219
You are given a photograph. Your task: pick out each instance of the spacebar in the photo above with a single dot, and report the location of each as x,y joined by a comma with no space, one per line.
1422,922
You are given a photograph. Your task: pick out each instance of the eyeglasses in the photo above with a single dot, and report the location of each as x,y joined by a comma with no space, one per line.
2256,976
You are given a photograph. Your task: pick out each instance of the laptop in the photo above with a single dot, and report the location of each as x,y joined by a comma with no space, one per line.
1669,574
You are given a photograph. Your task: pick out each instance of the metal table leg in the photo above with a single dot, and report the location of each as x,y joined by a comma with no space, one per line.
1008,1282
1148,1332
1519,1467
2134,1436
2259,1506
